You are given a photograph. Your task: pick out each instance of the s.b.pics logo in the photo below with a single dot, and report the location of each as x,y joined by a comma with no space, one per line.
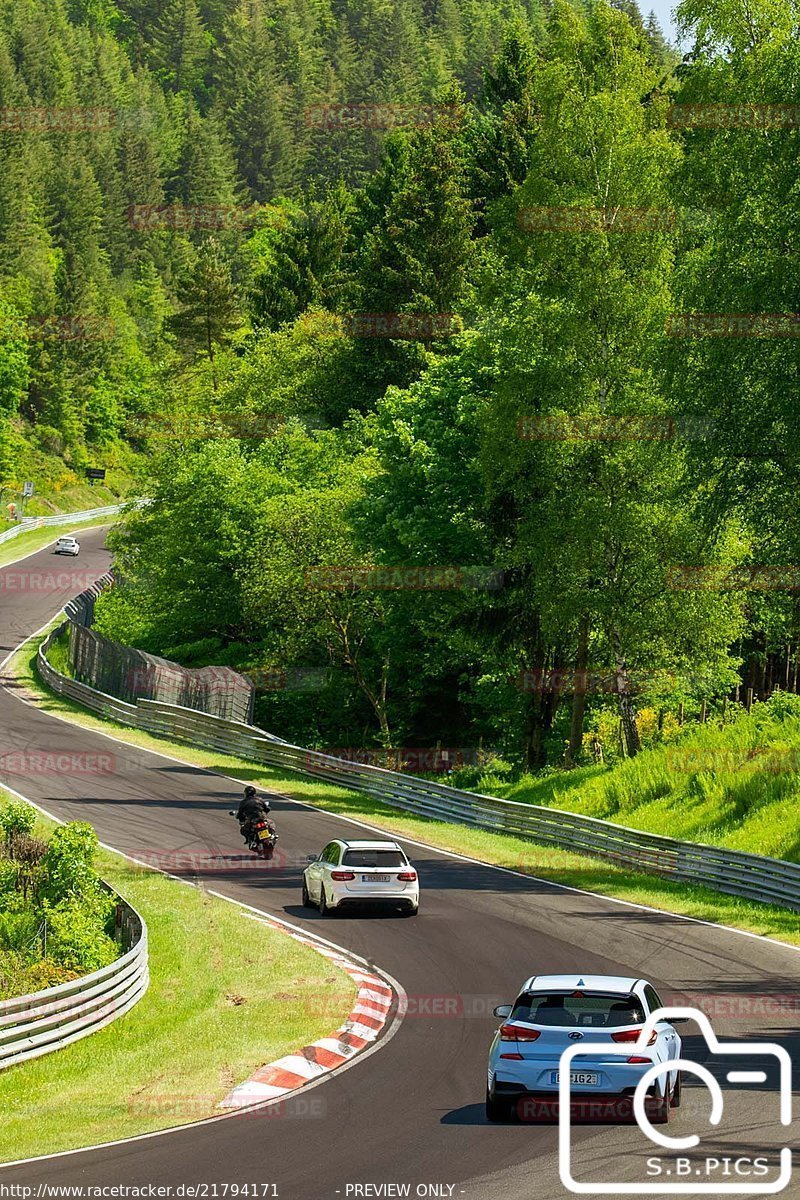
758,1074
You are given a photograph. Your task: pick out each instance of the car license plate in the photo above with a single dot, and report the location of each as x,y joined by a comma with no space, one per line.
263,834
577,1078
375,878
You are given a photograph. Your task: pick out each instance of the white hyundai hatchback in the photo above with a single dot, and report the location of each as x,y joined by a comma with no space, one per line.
553,1012
67,545
348,873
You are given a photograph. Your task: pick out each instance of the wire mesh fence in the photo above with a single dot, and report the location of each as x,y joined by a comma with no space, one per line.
131,675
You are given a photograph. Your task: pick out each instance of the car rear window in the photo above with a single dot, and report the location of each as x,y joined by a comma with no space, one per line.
373,858
591,1010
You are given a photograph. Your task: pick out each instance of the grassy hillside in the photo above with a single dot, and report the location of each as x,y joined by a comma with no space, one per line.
735,785
60,480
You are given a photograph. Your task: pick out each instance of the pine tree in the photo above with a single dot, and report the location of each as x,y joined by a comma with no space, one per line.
631,9
305,264
204,171
417,227
181,46
209,311
662,50
501,132
254,100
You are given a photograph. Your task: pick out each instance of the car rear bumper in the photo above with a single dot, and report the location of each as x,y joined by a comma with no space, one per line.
383,900
534,1077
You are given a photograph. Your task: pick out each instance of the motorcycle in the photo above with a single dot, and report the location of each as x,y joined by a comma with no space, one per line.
258,835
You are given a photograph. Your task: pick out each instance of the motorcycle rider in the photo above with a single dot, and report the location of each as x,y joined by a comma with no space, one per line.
250,810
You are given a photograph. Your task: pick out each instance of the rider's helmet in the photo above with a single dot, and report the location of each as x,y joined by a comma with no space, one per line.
249,793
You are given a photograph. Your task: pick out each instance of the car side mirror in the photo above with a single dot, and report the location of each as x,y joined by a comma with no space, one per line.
503,1010
312,858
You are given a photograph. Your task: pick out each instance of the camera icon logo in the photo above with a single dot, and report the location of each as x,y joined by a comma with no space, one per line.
688,1181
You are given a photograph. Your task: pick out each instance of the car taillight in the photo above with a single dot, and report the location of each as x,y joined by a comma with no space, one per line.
518,1033
639,1061
342,876
516,1057
633,1035
407,876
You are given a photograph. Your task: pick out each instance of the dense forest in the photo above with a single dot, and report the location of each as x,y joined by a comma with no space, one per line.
456,343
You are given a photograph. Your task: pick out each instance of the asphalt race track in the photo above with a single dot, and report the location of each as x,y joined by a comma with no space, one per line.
412,1113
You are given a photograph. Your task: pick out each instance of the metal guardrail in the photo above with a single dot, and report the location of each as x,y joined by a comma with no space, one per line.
28,523
33,1025
751,876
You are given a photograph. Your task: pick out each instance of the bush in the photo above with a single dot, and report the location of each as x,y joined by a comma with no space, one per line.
782,705
76,941
17,817
18,978
55,913
8,885
20,932
58,654
69,863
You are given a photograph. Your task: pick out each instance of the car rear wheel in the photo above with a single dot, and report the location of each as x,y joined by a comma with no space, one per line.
410,910
306,897
496,1109
676,1092
324,908
661,1106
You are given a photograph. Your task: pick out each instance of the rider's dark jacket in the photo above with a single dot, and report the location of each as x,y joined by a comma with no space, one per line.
251,809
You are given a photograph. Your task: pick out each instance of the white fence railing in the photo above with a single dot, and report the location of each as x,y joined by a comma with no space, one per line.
752,876
33,1025
28,523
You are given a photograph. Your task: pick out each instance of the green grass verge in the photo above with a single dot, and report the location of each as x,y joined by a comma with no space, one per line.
498,849
736,785
227,994
37,539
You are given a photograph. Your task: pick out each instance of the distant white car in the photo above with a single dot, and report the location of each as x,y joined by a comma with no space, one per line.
68,545
350,873
553,1012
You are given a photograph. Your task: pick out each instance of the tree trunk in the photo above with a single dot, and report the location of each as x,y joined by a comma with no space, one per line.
377,699
626,710
541,704
539,715
579,694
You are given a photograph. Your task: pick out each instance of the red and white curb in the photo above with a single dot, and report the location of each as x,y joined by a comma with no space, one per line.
368,1017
